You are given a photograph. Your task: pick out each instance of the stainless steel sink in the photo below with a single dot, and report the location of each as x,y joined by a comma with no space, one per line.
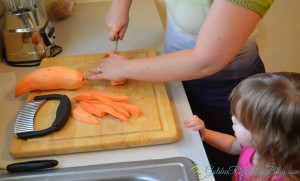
172,169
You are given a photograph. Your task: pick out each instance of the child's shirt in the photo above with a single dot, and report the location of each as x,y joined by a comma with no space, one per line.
245,168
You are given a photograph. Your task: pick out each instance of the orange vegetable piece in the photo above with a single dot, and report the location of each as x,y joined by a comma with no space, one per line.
91,109
90,101
110,103
107,54
132,109
83,116
117,98
98,103
116,83
85,96
110,111
50,78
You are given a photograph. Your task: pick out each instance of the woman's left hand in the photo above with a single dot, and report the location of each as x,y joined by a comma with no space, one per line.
110,68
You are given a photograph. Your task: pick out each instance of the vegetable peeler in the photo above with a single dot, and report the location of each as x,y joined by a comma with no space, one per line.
24,128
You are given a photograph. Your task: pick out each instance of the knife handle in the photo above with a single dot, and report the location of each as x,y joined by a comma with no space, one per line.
31,166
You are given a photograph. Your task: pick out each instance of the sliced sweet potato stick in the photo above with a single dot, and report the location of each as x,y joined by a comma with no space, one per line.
110,111
111,104
98,103
87,95
90,101
115,83
81,115
82,98
132,109
92,110
117,98
107,54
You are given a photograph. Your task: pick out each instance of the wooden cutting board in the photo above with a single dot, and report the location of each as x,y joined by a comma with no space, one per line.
156,126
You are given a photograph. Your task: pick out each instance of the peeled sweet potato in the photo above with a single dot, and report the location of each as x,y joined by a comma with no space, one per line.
84,116
116,83
50,78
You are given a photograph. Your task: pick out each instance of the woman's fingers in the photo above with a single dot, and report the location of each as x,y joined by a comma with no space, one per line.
109,68
112,34
94,70
94,77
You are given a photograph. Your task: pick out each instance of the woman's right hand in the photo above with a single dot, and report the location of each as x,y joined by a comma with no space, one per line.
117,19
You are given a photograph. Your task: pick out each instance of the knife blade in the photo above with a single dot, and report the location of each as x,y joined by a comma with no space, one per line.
116,42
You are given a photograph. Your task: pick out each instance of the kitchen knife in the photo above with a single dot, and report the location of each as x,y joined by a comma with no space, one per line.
30,166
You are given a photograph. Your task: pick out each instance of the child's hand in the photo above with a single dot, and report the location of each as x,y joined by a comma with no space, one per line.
196,124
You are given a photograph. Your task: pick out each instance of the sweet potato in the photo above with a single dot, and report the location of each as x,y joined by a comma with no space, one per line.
114,83
90,101
110,111
88,95
50,78
98,103
92,110
81,115
110,103
132,109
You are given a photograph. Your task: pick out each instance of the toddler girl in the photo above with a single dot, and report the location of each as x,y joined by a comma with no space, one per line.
265,112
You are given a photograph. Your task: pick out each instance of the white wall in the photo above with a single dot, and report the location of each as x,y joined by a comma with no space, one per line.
279,38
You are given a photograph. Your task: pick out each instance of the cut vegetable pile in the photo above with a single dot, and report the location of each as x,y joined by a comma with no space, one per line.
94,105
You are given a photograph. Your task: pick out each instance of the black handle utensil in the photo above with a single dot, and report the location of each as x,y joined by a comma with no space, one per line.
31,166
24,123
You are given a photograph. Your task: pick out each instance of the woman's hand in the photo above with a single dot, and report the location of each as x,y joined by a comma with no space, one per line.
117,19
110,68
196,124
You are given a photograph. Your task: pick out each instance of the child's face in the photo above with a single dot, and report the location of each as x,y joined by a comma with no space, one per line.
241,133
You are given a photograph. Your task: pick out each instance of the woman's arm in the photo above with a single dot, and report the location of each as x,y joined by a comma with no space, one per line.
222,35
117,18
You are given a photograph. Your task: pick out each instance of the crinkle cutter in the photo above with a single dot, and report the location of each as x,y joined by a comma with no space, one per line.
24,122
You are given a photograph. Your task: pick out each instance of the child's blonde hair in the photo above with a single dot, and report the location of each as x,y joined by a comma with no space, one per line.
268,105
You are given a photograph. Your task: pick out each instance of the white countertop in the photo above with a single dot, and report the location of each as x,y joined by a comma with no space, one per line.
85,33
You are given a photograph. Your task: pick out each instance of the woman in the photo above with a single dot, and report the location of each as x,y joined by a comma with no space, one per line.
210,45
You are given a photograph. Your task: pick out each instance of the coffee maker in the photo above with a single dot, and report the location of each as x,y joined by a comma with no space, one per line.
28,35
